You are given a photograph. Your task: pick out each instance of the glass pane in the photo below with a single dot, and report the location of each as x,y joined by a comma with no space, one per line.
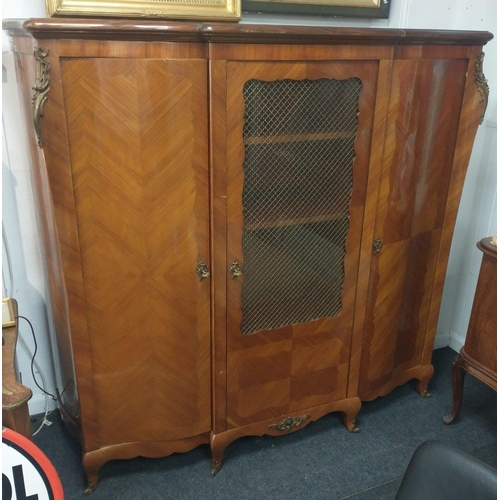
299,151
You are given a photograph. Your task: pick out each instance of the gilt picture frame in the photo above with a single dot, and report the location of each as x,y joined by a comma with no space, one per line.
345,8
209,10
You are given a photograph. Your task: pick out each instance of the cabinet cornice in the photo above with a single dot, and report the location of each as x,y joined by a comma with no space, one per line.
148,30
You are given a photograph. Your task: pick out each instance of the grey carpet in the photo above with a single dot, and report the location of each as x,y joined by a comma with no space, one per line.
322,461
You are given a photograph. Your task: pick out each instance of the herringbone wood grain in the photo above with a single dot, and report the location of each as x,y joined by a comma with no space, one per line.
424,107
137,135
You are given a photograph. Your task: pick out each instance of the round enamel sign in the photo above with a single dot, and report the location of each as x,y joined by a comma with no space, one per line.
27,473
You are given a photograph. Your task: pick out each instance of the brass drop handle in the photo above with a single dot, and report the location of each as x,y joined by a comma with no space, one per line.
202,271
377,246
234,269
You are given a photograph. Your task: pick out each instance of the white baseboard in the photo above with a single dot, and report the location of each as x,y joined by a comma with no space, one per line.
449,339
456,341
36,404
441,340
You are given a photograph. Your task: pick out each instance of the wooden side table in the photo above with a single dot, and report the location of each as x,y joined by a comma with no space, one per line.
479,354
15,396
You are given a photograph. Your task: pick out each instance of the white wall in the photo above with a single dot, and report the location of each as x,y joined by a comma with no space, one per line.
476,219
19,222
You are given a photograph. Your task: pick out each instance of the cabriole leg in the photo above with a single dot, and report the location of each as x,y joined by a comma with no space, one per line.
423,381
218,447
91,467
457,387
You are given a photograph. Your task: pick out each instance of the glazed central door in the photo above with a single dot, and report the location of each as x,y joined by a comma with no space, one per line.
137,132
299,137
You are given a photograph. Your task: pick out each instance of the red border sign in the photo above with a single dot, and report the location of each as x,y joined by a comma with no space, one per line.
26,472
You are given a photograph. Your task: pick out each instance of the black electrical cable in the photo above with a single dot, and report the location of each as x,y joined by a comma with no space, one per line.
33,359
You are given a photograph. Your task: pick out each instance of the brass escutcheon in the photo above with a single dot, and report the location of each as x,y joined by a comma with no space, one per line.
234,269
377,246
202,271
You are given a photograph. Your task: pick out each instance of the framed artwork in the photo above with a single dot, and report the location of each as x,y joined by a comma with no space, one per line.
228,10
349,8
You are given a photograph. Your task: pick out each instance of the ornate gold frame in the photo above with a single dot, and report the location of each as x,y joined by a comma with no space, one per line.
224,10
350,8
11,319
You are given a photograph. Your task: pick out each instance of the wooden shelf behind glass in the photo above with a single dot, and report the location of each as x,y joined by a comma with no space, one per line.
275,218
316,136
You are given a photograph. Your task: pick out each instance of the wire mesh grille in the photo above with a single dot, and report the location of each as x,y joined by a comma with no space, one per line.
299,150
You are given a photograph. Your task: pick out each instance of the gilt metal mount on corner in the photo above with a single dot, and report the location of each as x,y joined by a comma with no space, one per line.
481,83
40,89
289,423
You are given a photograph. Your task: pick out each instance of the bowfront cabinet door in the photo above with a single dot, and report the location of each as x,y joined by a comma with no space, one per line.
139,155
433,107
138,151
298,153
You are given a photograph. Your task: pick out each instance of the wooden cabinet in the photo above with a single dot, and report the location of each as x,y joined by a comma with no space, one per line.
15,396
479,354
245,227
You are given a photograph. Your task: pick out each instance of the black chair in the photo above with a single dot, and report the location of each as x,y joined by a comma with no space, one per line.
440,472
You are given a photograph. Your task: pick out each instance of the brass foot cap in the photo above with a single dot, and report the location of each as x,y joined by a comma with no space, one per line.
354,428
91,486
215,467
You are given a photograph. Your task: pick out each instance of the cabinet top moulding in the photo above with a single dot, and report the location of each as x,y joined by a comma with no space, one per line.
149,30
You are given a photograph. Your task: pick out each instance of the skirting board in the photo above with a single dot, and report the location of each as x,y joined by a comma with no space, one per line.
36,404
450,339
